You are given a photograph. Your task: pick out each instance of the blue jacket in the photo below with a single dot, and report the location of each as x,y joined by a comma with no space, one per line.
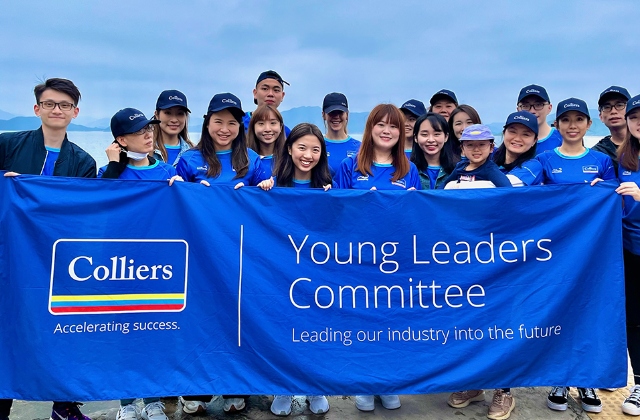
24,152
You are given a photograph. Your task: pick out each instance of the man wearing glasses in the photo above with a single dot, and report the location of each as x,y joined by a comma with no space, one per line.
612,105
46,151
534,99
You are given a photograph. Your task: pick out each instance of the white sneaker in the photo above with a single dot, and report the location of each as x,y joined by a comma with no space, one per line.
232,405
154,411
318,404
631,405
365,402
128,412
193,407
281,405
390,402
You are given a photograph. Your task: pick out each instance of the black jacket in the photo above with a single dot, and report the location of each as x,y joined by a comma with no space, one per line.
606,146
24,152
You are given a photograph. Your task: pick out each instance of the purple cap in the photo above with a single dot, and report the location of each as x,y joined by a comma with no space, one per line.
477,132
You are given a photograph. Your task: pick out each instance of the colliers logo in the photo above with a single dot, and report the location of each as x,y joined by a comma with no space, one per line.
101,276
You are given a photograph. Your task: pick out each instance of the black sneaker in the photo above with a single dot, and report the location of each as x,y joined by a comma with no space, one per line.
631,405
590,401
558,398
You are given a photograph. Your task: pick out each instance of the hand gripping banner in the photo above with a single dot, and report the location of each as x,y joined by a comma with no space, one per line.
116,289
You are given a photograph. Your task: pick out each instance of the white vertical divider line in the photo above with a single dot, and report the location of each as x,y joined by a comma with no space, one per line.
240,287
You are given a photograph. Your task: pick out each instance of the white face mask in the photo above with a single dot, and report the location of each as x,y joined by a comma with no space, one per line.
136,155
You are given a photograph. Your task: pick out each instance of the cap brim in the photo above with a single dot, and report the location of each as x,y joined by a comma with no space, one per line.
237,112
411,111
335,108
441,96
533,94
175,106
609,95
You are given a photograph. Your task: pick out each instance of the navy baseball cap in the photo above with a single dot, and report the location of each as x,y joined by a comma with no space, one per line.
572,104
612,91
228,101
128,121
477,132
270,74
525,118
335,102
170,98
533,90
415,107
633,103
444,94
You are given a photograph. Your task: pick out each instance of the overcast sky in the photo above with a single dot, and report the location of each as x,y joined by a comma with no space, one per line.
124,53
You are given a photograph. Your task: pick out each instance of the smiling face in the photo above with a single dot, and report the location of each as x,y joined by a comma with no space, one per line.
633,123
223,129
267,131
518,139
461,121
270,92
336,120
573,125
536,106
172,120
385,134
477,151
305,154
55,118
409,123
430,141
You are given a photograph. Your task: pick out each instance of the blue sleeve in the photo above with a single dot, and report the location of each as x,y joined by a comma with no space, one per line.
608,170
453,177
184,170
343,175
530,172
171,171
498,178
101,171
258,172
415,177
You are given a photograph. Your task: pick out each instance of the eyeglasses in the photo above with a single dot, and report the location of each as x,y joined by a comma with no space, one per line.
537,106
618,106
470,146
64,106
147,129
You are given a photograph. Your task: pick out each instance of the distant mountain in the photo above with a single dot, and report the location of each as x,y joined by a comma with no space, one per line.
31,123
5,115
93,122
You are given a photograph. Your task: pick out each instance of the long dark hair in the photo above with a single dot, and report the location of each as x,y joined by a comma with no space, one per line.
473,115
628,153
448,158
285,169
239,155
500,155
158,140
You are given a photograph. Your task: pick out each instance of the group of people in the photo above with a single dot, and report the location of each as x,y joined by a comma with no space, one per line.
411,147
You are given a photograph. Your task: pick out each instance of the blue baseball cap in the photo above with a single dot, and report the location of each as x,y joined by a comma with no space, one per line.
477,132
128,121
335,101
633,103
270,74
533,90
613,91
415,107
228,101
170,98
572,104
444,94
525,118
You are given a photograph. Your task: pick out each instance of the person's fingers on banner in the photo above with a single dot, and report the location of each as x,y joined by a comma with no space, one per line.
595,181
205,183
630,189
10,173
238,185
175,178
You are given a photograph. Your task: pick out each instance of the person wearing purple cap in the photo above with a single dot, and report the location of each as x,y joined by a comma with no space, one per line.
47,151
477,171
629,176
412,110
611,107
172,137
516,155
443,102
222,157
340,145
534,99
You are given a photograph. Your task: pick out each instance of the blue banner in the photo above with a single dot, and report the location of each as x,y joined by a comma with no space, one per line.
114,289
